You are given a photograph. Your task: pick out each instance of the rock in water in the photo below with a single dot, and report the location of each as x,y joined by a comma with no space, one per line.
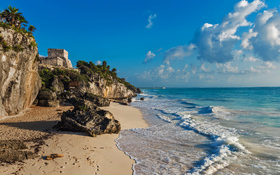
88,118
19,78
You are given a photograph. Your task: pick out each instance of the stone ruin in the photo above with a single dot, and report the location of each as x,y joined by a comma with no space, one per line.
57,57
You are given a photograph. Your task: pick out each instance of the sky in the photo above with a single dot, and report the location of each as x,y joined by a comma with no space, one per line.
170,43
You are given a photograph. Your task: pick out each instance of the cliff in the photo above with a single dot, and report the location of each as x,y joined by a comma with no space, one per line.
89,78
115,90
19,78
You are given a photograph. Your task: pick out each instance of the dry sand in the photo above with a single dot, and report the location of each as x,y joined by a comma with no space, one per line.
82,154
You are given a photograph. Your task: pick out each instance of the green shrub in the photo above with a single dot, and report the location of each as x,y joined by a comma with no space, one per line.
4,25
6,47
33,44
83,107
18,48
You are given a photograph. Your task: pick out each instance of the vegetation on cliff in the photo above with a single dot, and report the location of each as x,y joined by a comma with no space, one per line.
87,72
89,69
64,75
12,18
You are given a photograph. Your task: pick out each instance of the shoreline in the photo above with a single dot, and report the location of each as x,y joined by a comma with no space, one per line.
82,154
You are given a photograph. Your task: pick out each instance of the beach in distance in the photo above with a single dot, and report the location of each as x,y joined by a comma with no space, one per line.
82,154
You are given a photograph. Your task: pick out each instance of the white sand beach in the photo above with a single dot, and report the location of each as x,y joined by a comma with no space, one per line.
82,154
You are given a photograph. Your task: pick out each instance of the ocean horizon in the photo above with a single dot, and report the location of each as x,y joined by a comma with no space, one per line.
225,130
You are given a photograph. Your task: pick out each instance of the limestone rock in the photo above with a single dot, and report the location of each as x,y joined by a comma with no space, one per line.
116,90
19,78
88,118
47,98
58,85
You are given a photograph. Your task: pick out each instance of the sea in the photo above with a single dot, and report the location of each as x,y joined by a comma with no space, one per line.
206,131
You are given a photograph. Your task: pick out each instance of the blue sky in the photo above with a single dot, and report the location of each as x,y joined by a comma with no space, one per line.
169,43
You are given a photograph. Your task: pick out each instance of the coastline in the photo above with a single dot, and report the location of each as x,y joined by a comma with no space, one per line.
81,153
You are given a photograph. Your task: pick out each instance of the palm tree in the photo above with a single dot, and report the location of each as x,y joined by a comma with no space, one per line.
3,16
20,20
31,28
11,15
104,63
114,70
24,25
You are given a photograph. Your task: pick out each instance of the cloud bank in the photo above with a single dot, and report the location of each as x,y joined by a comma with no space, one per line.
215,43
224,52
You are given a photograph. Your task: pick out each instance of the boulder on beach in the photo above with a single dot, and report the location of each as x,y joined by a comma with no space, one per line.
47,98
87,117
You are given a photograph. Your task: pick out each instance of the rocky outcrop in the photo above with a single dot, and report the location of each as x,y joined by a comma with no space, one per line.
88,118
59,79
97,100
19,78
47,98
116,90
10,151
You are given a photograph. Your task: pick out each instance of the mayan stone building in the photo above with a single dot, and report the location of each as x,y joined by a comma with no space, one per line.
57,57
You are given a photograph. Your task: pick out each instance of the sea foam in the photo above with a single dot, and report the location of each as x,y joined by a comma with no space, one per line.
225,143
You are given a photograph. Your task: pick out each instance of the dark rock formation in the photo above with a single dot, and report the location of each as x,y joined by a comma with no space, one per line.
47,98
142,98
10,151
88,118
19,78
97,100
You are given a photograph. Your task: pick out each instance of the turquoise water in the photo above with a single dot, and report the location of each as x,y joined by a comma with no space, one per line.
206,131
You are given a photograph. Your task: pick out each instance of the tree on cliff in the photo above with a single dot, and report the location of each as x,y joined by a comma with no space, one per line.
104,63
31,28
12,16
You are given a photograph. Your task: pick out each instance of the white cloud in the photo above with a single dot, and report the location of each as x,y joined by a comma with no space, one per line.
216,42
149,56
193,69
178,52
204,69
159,49
150,24
165,73
98,62
245,39
267,65
266,44
206,77
42,55
251,59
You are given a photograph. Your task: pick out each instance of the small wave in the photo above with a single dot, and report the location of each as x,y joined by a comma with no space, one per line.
184,101
218,111
164,118
225,144
205,110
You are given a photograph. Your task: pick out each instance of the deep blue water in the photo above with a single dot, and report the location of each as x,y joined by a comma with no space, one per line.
206,131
